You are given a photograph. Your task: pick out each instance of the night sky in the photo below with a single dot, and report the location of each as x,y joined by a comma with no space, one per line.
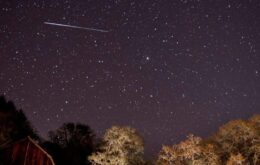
166,67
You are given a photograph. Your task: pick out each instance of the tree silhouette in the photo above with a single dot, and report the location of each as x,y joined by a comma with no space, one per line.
76,141
14,125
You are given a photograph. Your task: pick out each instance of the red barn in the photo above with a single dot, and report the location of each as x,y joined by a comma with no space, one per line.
25,152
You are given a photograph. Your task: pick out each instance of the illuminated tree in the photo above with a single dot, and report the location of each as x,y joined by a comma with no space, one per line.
122,146
168,156
240,136
236,160
189,152
254,149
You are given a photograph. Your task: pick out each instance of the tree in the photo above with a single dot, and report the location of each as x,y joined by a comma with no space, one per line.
14,125
168,156
236,160
122,146
254,149
76,142
189,152
209,154
256,120
240,136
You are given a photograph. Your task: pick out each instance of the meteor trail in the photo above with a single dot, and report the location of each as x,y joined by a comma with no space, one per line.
76,27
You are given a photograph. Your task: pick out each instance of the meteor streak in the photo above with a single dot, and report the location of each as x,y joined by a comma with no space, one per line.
76,27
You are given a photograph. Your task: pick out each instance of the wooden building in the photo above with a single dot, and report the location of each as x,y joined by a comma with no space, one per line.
24,152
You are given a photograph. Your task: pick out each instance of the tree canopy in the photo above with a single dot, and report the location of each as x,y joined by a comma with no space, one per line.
76,141
122,146
14,125
235,143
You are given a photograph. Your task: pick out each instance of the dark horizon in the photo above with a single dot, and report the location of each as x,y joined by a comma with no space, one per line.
165,68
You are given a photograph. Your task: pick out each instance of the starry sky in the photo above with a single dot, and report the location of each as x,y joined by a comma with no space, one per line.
166,67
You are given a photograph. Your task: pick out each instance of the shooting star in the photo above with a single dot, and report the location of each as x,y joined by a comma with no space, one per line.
76,27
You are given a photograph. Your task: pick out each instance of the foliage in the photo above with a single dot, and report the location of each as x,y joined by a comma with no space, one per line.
189,152
14,125
240,137
76,141
236,160
122,146
235,143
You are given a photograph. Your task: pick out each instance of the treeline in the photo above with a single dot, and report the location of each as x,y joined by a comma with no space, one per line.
235,143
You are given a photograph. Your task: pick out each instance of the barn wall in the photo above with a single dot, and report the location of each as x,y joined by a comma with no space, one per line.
25,152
